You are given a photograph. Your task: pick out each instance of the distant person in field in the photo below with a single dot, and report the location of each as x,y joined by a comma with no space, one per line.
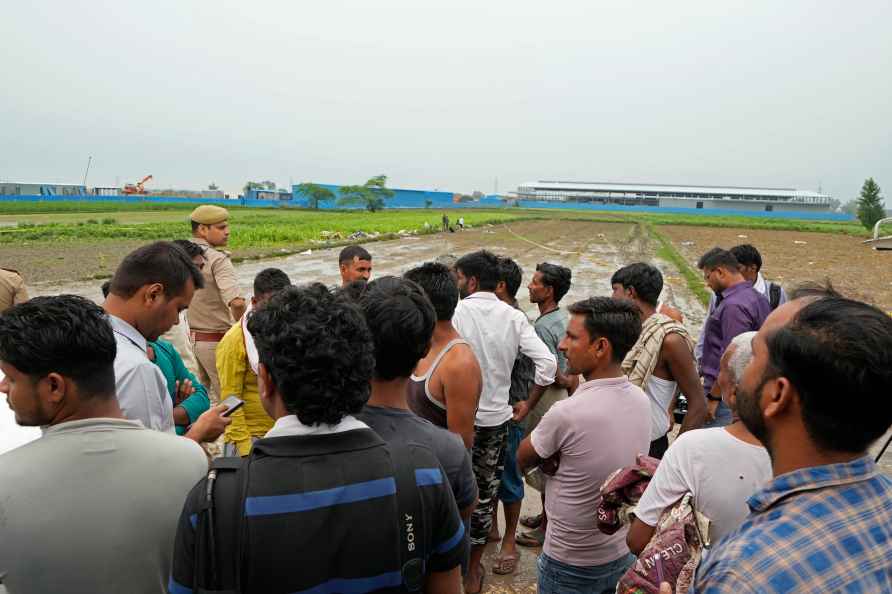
355,264
750,264
740,309
721,467
445,221
237,362
662,361
496,332
445,386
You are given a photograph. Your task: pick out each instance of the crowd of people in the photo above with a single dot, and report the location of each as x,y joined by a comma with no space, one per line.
359,438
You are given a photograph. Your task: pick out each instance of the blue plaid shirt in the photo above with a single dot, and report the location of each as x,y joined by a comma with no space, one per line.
820,529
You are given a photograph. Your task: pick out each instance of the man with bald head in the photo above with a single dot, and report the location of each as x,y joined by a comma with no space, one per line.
824,523
721,467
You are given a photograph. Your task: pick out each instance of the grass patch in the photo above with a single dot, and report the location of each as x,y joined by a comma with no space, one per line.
693,278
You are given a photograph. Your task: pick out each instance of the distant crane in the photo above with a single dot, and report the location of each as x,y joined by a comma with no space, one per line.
137,188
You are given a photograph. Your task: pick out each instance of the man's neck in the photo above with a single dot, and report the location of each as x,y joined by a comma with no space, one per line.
547,306
444,331
117,307
738,429
734,281
389,393
798,451
647,309
606,372
91,408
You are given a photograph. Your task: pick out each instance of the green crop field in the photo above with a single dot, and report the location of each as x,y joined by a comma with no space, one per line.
34,223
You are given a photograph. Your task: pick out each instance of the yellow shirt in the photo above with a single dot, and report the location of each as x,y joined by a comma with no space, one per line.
237,378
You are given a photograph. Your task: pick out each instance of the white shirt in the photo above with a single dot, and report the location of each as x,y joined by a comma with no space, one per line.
290,425
139,383
719,470
497,332
660,392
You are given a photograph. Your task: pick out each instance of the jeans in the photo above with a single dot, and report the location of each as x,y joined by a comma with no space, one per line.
560,578
723,417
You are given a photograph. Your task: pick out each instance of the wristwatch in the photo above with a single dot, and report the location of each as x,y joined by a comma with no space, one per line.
713,398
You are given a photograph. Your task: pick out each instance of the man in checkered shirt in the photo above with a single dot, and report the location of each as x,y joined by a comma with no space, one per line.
817,393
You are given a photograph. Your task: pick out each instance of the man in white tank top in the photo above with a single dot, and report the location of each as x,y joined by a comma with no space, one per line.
662,361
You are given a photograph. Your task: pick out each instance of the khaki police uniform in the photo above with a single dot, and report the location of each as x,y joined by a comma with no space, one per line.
209,315
12,289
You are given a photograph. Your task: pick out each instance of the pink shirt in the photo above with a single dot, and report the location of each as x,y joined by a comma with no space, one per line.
599,429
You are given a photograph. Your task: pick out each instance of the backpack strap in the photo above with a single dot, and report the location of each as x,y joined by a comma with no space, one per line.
414,539
774,295
224,483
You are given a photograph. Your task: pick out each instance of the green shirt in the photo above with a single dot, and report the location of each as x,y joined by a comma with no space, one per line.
171,365
551,328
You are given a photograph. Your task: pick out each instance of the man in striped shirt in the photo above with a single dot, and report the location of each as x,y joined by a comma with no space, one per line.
320,503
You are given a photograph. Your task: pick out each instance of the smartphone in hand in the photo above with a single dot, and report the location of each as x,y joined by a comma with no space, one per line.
232,404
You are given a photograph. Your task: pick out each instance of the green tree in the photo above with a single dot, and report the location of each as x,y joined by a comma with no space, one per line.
851,207
315,193
371,194
428,203
870,205
251,185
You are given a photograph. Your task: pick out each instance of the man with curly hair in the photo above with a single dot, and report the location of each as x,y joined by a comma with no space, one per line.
322,503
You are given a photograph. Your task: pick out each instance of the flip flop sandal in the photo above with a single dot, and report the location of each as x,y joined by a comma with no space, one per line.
505,565
531,521
482,580
534,538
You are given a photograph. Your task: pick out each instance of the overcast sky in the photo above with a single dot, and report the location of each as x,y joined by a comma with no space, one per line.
448,95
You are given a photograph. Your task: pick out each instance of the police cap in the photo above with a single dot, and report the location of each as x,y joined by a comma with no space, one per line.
209,214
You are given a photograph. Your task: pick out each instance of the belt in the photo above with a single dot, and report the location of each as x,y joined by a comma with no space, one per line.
207,336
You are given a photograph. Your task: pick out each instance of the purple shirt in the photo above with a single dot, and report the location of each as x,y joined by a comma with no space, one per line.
743,309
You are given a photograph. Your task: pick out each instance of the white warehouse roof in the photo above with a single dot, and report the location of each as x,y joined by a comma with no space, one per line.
546,185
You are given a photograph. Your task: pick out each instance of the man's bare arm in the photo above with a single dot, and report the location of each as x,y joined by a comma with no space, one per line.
681,365
444,582
462,382
639,535
526,455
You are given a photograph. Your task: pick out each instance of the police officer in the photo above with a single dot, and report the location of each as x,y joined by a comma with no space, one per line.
217,306
12,289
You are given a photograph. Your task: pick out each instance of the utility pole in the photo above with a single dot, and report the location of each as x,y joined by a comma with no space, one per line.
87,170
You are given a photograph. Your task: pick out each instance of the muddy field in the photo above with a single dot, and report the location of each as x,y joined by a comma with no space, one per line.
793,257
592,250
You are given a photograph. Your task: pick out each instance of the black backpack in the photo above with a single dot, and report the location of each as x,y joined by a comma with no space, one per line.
774,295
226,488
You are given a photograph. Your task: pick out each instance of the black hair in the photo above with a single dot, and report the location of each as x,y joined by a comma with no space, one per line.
318,351
557,277
353,251
832,348
270,280
191,248
747,255
401,319
195,226
718,258
647,281
63,334
160,262
105,288
617,320
439,286
814,290
511,274
482,265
